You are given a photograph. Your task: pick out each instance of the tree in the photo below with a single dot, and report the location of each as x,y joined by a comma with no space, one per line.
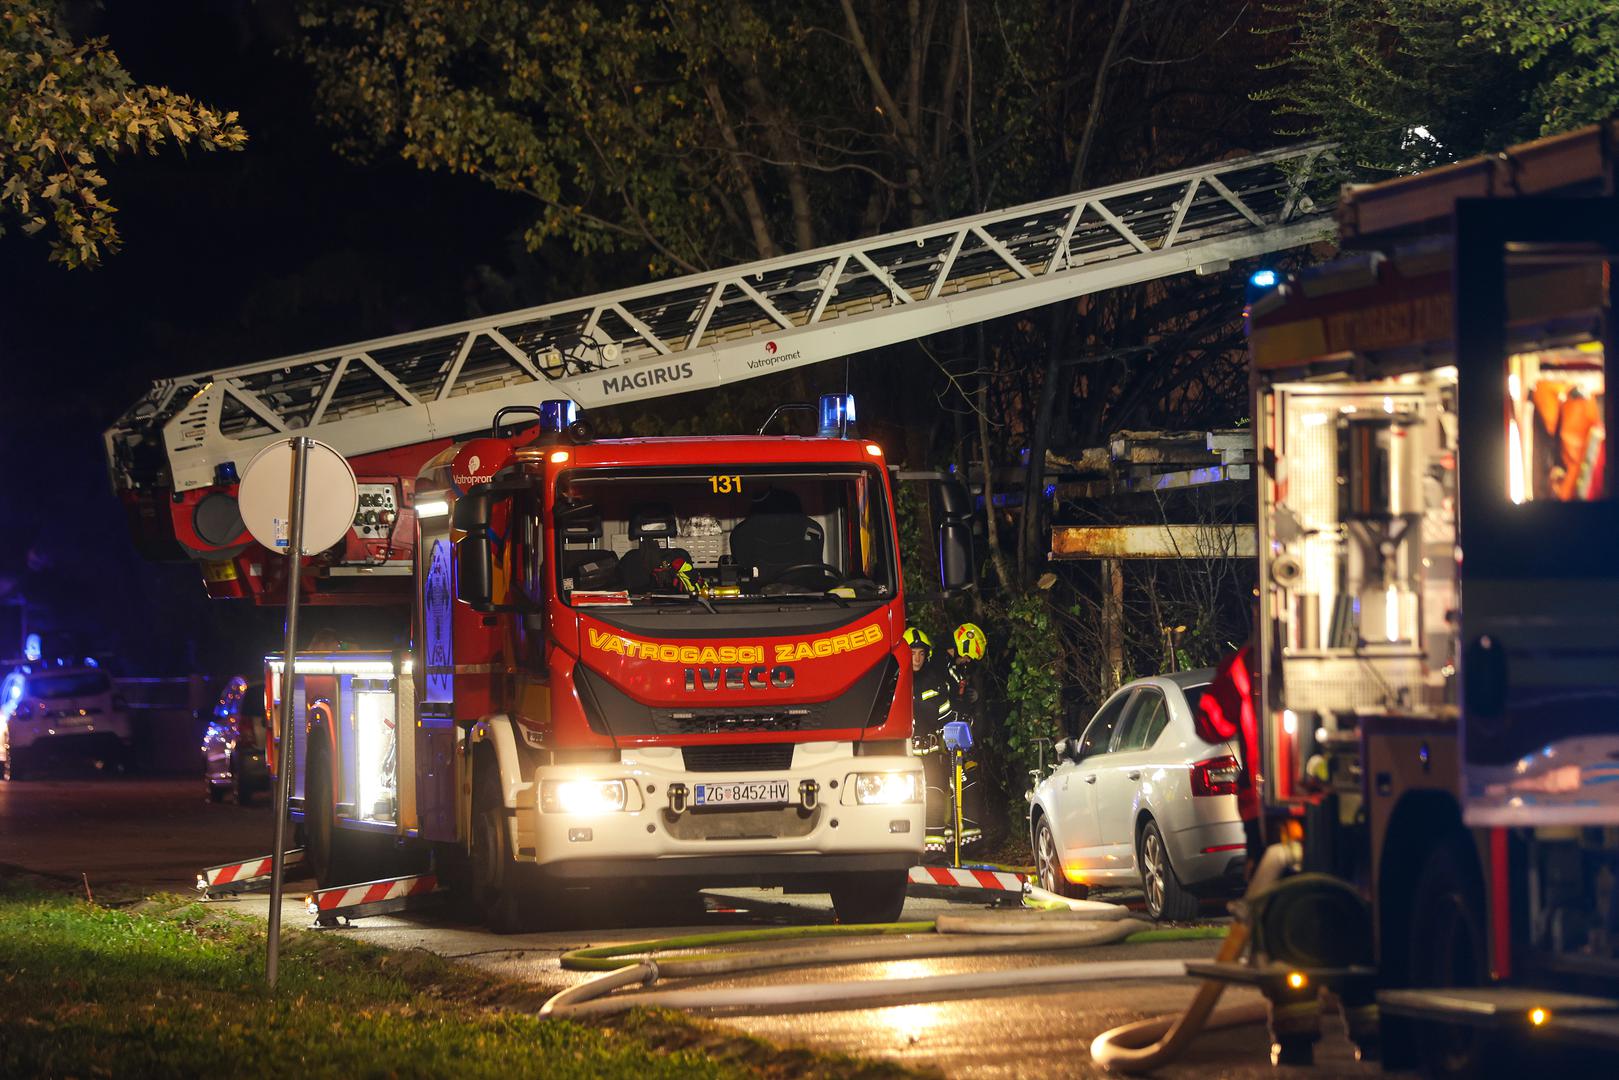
71,107
1403,85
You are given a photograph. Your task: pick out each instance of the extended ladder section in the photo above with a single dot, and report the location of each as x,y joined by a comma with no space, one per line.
710,329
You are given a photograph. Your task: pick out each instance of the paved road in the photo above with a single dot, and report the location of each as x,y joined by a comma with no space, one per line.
151,833
157,833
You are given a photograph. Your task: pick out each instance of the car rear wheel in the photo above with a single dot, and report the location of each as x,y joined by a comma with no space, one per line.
1049,864
244,789
1167,898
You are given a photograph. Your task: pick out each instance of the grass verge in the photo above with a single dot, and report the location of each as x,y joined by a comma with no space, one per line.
170,987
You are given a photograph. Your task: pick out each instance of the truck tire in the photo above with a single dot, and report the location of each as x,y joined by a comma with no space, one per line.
1167,898
871,896
1447,949
336,856
495,880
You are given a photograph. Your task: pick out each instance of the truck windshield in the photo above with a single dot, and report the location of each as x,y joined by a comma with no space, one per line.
723,535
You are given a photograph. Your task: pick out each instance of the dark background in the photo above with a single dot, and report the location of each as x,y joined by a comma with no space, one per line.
228,258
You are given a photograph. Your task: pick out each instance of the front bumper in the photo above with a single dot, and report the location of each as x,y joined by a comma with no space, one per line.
743,845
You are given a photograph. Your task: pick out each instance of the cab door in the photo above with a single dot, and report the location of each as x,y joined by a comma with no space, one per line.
1539,527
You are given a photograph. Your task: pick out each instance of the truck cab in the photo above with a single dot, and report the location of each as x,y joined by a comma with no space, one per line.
660,659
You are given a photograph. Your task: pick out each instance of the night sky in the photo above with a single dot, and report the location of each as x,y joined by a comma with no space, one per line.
228,258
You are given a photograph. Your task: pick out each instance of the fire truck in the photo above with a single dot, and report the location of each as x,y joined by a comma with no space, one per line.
1439,634
642,661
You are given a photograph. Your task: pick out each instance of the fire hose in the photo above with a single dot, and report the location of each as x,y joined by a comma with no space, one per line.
1148,1044
963,934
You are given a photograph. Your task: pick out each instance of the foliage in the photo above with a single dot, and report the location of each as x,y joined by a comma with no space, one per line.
70,107
1033,688
1573,45
175,988
1403,85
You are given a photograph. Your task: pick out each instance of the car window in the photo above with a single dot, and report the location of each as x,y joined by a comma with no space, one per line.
68,684
1099,734
1146,720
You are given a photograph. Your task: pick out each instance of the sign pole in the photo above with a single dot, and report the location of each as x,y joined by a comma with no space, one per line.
283,775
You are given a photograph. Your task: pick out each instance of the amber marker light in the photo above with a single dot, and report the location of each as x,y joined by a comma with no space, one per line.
558,457
874,450
1538,1016
1296,980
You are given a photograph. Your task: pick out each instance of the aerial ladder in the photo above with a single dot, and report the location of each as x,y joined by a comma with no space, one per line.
390,404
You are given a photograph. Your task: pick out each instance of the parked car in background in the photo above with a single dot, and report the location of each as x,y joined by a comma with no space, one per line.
53,713
233,760
1137,798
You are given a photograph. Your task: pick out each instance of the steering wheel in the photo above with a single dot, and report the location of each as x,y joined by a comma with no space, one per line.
832,574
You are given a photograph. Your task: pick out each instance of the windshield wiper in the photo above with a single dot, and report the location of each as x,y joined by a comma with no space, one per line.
686,598
832,596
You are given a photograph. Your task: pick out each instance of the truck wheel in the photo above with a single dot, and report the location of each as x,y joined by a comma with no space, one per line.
1167,898
872,896
495,886
1447,950
335,855
1048,862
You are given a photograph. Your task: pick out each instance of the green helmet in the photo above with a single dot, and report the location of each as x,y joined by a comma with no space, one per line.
916,639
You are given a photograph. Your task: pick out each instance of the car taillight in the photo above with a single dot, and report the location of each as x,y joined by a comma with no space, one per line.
1215,776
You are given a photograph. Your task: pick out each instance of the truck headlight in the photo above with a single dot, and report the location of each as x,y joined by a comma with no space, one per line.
887,788
582,796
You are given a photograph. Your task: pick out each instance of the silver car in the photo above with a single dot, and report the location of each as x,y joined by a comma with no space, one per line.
1139,799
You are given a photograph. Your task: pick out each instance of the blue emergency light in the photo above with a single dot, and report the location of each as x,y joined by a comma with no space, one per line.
558,415
837,416
32,649
958,735
1262,279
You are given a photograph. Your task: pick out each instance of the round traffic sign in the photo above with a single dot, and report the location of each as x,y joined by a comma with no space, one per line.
331,497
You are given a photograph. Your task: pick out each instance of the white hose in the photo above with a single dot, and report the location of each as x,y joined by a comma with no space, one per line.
845,995
1147,1044
969,941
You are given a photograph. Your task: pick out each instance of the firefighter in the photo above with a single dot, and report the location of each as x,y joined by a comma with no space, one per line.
969,643
1228,710
930,685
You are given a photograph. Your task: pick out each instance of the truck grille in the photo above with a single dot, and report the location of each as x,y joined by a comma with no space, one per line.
736,721
767,757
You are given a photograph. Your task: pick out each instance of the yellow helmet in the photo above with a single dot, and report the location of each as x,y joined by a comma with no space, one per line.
916,639
970,641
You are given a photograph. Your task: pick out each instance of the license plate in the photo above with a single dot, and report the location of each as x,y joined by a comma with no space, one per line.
742,793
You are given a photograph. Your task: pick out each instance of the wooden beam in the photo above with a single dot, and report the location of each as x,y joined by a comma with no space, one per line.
1152,542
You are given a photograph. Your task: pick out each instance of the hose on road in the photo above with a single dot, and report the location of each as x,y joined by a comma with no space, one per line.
1145,1045
965,934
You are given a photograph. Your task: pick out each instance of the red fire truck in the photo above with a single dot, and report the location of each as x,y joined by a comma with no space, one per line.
635,659
1439,558
639,659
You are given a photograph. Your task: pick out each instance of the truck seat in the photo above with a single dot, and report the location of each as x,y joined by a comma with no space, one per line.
777,534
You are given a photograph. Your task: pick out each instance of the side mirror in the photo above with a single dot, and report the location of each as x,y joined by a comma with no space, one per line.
955,537
474,552
955,556
474,569
1065,749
